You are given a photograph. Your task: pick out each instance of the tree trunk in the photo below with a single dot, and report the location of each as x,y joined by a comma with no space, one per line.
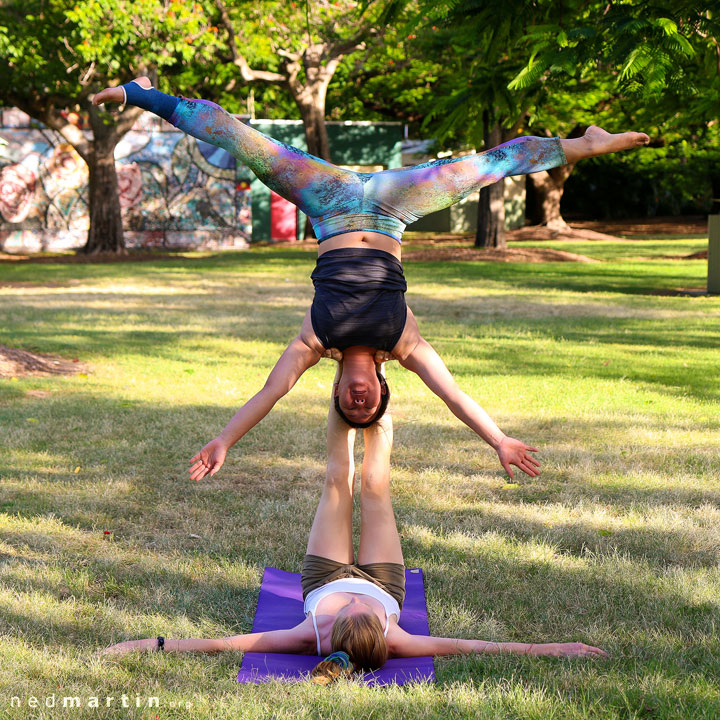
312,112
491,207
106,230
548,187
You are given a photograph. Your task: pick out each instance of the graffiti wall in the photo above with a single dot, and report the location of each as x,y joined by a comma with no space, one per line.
175,191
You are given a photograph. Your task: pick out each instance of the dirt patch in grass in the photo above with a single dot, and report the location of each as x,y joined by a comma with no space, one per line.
636,227
22,363
680,292
699,255
511,254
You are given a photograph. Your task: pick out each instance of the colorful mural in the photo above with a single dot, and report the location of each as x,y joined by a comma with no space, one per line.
174,191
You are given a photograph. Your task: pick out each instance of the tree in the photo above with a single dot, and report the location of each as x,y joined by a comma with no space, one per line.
59,53
299,48
657,63
472,98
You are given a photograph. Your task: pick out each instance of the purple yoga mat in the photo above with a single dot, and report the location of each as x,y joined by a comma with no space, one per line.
280,605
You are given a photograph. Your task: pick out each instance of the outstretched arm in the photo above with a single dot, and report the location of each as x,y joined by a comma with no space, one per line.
296,359
424,361
404,644
292,640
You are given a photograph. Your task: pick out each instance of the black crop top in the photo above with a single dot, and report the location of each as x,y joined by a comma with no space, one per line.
359,299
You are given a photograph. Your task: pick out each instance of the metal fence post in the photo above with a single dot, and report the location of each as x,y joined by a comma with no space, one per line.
713,281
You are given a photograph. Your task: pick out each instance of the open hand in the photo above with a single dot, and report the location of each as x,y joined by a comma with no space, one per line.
571,649
209,460
515,452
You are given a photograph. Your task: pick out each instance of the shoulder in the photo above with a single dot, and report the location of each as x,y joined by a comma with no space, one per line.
397,639
409,338
304,634
308,336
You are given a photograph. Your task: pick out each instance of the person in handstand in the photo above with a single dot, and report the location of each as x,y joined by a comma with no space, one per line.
359,306
352,604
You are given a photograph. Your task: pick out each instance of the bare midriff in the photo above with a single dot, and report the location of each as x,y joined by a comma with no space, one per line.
362,239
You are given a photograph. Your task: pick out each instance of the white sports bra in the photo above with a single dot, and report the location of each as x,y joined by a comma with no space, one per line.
359,586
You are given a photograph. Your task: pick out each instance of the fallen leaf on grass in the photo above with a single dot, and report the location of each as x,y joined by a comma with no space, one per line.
77,469
604,532
196,537
508,486
33,420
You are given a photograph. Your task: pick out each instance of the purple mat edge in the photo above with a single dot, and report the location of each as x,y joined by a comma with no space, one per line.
281,597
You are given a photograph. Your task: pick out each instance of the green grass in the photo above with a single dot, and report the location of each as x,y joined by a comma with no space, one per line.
615,544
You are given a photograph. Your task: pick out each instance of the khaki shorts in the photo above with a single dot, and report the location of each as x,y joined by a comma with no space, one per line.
318,571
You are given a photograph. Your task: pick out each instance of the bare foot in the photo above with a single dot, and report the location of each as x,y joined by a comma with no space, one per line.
597,141
602,142
117,94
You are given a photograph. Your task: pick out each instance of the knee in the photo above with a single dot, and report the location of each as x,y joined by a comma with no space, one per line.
375,487
340,477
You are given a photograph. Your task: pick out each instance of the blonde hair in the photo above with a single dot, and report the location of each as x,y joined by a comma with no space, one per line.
362,638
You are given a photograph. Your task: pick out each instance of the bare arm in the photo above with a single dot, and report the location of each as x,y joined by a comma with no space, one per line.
403,644
290,640
296,359
424,361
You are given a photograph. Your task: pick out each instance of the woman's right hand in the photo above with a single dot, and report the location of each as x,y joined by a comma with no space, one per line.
209,460
131,646
572,649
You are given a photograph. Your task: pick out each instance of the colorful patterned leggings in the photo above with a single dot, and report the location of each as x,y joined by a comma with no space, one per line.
338,200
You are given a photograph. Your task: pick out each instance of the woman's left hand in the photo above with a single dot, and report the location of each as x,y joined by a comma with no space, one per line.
515,452
131,646
571,649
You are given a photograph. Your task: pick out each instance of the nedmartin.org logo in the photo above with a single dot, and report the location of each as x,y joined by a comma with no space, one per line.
77,702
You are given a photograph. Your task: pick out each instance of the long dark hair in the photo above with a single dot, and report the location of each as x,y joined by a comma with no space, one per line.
384,400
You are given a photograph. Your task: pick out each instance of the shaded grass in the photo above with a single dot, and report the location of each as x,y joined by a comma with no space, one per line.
616,543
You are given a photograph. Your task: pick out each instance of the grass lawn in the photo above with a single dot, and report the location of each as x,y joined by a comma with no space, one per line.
616,544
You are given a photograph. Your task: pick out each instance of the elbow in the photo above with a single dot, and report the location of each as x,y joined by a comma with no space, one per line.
272,391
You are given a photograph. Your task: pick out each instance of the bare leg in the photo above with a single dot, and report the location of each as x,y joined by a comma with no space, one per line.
311,183
597,141
379,538
331,533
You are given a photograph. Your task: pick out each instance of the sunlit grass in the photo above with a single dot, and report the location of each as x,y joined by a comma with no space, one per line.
103,538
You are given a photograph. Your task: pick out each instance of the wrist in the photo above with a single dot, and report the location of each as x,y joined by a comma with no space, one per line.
496,440
223,440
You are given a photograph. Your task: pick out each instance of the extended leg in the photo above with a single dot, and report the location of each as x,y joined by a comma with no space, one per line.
379,538
307,181
331,534
411,193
